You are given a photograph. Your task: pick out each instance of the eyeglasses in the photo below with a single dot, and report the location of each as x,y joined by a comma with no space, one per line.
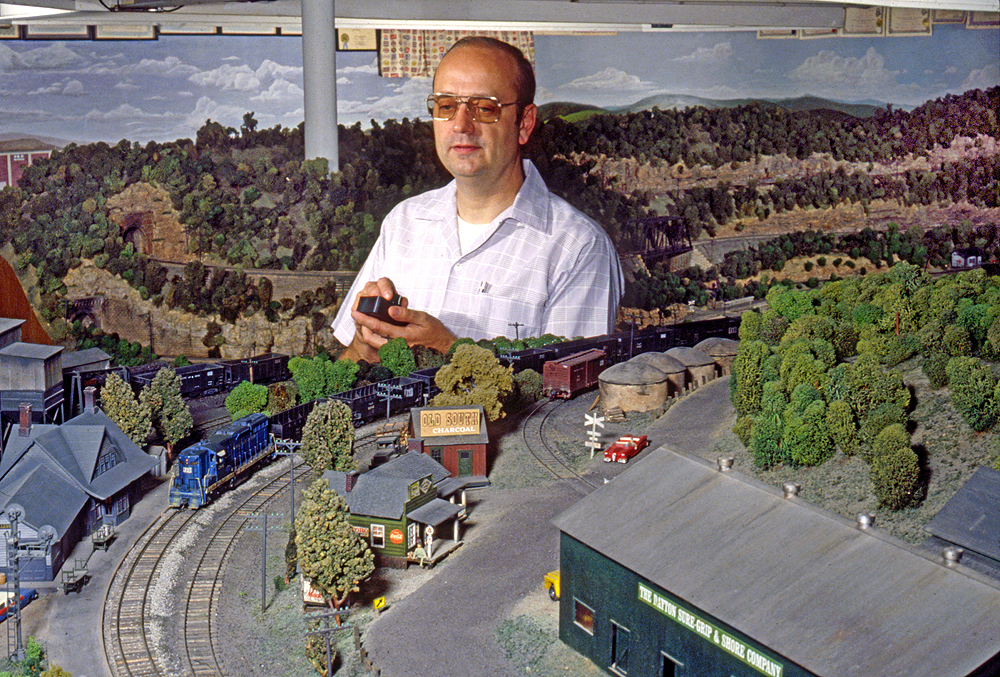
482,108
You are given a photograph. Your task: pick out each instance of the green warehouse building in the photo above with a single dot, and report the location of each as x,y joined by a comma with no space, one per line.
681,568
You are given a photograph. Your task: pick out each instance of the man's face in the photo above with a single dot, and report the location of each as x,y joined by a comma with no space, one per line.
477,150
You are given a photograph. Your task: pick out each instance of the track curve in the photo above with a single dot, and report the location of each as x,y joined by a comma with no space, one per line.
546,457
134,611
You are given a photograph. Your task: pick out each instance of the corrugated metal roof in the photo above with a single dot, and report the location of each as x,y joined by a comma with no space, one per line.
32,351
836,599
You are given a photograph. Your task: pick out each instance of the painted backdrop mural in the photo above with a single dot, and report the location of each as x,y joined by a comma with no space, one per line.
166,89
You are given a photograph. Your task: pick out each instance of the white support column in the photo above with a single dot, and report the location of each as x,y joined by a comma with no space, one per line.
319,79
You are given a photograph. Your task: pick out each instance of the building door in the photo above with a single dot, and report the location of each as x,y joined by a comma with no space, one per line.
464,462
620,639
671,668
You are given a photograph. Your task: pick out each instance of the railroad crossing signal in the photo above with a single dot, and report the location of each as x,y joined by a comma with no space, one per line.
593,442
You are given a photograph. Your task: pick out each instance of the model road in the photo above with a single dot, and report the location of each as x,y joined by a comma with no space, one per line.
447,627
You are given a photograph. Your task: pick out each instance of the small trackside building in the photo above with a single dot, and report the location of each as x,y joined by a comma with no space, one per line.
677,567
455,437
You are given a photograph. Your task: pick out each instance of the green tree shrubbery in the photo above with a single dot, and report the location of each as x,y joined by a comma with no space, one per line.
247,398
972,392
328,438
125,410
332,556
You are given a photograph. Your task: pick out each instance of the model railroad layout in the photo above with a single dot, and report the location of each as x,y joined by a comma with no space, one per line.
131,607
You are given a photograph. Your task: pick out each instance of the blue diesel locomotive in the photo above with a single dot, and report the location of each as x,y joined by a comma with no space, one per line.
211,466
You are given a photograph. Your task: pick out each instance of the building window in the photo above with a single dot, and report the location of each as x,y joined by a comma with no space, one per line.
437,453
583,616
671,666
378,536
620,638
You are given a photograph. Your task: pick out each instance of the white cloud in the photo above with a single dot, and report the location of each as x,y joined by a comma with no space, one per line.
368,69
208,109
343,81
829,70
241,78
280,90
609,80
73,88
128,85
55,55
982,78
720,53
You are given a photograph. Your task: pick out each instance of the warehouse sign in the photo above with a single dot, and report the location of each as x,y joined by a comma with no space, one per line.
711,633
441,422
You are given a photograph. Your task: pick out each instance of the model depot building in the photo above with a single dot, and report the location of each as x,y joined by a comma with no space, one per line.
678,567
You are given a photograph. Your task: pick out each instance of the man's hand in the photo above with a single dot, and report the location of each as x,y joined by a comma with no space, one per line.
418,328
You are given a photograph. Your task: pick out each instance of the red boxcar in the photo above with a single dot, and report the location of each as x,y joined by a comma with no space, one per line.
572,374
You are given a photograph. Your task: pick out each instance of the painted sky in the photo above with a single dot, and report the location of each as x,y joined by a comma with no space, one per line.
166,89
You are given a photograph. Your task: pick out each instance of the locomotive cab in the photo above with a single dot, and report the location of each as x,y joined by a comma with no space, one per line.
188,489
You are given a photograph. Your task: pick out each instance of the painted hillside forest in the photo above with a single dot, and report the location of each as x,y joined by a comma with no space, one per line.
768,196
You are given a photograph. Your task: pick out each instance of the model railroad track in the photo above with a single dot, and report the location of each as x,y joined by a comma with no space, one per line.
127,608
133,625
546,456
204,585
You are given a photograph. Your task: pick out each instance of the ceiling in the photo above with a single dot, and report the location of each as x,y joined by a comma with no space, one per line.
536,15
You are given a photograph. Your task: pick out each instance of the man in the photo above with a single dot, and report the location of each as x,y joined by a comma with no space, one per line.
492,253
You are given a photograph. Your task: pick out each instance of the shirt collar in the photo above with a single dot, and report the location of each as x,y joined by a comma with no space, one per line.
531,206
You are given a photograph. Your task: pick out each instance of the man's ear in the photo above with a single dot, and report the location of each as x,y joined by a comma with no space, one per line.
529,117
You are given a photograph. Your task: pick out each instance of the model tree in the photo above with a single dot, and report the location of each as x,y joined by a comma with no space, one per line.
171,416
328,438
396,356
120,404
333,557
474,376
246,398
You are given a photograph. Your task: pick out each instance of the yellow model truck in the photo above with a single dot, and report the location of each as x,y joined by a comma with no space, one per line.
552,585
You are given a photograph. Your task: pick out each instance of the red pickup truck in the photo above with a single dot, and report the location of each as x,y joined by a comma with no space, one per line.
625,448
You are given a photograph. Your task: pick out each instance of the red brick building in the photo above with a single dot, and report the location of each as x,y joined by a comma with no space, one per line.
17,154
455,437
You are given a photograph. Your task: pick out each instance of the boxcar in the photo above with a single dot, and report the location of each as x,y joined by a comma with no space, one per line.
570,375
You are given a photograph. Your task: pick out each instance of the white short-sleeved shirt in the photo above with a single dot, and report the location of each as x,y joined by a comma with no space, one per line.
547,267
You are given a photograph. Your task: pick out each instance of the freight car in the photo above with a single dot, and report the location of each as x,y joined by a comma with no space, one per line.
570,375
196,379
383,399
227,456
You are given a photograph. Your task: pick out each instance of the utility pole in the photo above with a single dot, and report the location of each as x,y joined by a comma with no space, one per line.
263,553
516,326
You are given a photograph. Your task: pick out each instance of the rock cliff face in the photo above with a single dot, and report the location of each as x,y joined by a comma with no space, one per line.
172,332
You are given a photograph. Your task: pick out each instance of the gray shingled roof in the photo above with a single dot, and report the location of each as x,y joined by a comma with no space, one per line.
373,495
412,465
53,468
837,600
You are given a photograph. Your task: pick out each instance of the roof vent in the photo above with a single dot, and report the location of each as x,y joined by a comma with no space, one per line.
791,489
865,520
725,463
952,555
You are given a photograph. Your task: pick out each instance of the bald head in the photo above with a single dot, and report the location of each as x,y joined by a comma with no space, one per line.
523,73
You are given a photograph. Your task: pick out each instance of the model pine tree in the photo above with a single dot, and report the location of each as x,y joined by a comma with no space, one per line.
328,438
120,404
474,376
170,413
333,557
